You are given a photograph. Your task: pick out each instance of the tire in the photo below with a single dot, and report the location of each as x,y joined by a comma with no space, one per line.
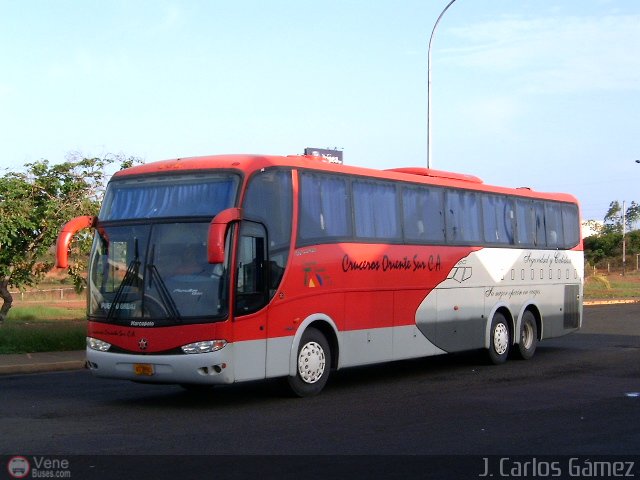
499,339
313,364
528,336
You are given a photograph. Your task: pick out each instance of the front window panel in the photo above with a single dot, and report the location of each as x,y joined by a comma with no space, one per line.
169,196
154,275
251,281
269,200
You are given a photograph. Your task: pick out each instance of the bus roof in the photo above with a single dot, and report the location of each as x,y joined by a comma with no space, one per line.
248,163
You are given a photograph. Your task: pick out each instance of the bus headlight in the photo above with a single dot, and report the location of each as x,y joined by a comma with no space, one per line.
95,344
206,346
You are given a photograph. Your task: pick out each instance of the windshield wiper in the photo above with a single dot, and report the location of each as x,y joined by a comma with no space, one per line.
166,298
133,269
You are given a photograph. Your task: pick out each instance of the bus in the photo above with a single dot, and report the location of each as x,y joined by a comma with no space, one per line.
229,268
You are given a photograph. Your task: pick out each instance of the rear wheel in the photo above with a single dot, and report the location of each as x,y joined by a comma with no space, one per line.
313,364
499,339
528,337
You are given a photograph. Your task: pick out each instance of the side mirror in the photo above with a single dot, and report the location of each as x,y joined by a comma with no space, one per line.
218,231
69,229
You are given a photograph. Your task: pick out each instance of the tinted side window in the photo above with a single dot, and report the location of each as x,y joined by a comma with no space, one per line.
462,217
252,271
553,221
541,229
526,222
571,225
325,210
375,210
269,201
498,217
423,214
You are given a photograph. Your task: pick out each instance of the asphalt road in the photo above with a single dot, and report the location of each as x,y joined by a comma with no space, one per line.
579,395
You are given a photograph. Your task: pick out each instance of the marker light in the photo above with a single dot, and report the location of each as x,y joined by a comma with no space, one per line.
95,344
206,346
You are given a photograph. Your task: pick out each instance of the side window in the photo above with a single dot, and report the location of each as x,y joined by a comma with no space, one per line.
375,210
571,225
423,214
498,218
324,207
269,201
525,221
462,217
251,281
553,223
472,231
541,229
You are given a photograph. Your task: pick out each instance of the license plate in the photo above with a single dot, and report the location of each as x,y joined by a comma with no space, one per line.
145,369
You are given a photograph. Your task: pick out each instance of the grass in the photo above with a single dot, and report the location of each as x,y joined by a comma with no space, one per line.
45,313
42,328
605,287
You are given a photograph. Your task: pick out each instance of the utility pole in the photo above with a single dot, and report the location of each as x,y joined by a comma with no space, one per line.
624,243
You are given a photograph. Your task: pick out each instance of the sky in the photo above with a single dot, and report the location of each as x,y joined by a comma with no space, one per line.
536,93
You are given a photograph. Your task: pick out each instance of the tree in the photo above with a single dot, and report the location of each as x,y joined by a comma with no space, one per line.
614,217
602,246
633,214
33,207
606,244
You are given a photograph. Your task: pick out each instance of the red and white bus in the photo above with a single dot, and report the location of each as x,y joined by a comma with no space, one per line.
221,269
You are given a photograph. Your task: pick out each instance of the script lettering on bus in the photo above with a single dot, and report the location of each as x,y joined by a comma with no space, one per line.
561,257
546,258
115,333
502,294
388,264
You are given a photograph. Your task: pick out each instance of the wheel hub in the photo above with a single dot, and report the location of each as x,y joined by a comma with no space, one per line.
311,362
501,339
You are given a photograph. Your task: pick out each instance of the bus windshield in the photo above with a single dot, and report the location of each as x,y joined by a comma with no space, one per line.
189,195
149,259
153,275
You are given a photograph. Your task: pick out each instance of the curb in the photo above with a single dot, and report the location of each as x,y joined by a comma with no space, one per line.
41,362
589,303
39,368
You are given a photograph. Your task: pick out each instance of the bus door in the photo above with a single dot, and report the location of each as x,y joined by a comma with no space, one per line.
251,296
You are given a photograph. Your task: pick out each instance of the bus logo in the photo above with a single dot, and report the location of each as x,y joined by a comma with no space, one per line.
143,344
313,276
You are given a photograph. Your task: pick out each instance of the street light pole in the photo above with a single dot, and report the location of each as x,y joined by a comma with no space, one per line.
429,84
624,243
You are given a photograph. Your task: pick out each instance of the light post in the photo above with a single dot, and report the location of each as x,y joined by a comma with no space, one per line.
429,85
624,242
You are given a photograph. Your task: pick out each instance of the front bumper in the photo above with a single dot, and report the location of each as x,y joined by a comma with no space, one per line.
199,368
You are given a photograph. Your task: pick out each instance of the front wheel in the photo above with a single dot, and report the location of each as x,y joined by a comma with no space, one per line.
499,339
313,364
